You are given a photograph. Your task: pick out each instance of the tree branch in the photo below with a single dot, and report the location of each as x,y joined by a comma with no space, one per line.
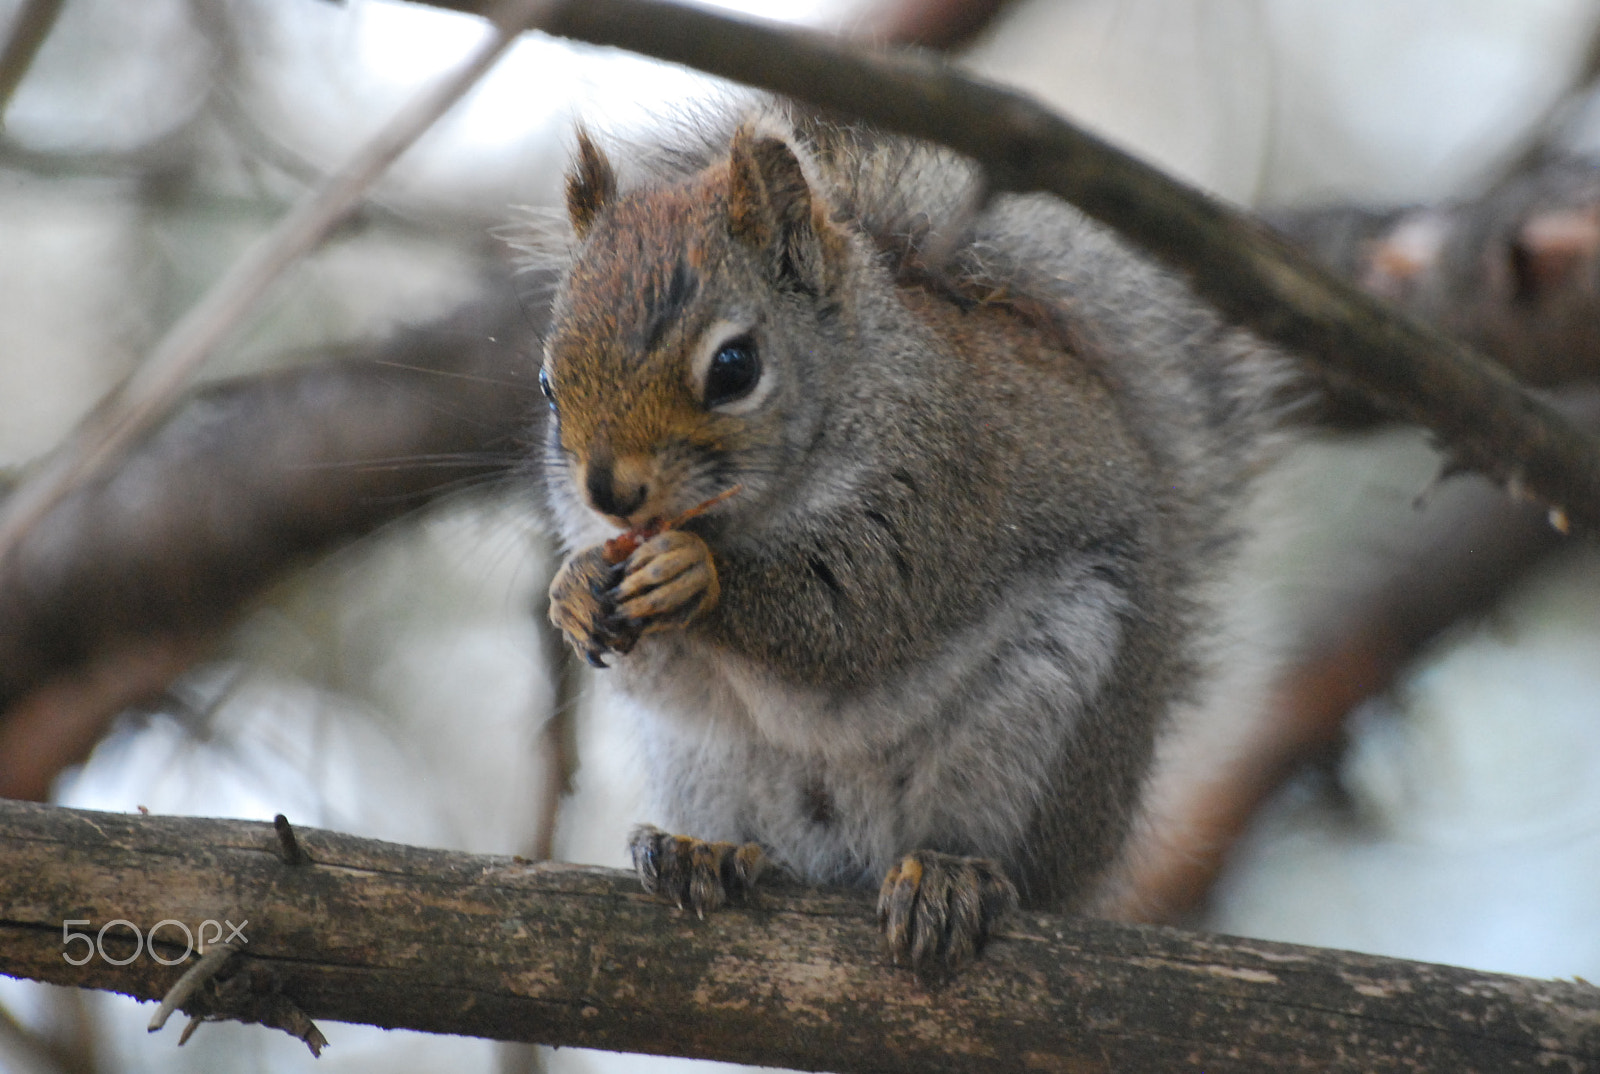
1409,371
31,25
251,478
499,947
148,395
1515,273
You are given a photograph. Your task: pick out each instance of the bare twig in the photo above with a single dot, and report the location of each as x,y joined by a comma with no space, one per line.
211,963
559,738
288,845
27,32
149,394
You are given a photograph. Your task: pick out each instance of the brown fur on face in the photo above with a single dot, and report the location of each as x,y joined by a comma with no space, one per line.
634,312
618,359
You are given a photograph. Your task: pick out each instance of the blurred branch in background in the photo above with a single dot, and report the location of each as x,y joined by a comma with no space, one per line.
151,391
251,478
1516,274
1397,365
136,576
26,33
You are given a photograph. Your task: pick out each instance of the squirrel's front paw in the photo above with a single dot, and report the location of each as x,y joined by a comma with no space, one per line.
582,608
668,581
936,909
692,872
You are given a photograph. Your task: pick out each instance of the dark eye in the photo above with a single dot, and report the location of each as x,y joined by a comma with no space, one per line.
734,372
549,392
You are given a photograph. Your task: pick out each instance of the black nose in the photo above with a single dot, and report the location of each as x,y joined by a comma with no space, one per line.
607,498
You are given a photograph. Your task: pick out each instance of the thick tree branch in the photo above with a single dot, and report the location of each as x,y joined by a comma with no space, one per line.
498,947
116,581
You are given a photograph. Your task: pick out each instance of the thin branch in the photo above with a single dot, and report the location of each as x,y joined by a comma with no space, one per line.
493,946
150,393
559,737
26,34
1439,567
1480,412
196,974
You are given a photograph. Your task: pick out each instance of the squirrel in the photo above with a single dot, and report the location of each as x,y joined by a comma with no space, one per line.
989,467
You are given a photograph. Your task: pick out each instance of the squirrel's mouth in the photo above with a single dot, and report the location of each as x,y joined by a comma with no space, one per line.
631,522
649,511
645,524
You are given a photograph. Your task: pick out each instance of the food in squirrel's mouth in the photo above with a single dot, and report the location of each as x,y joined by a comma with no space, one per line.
624,544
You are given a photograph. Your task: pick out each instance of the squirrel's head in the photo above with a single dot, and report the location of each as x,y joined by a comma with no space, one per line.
683,346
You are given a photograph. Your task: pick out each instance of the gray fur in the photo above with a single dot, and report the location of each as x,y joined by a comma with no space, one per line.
957,597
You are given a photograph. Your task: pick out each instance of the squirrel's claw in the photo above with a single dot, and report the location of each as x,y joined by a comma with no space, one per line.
669,581
582,610
936,910
602,607
692,872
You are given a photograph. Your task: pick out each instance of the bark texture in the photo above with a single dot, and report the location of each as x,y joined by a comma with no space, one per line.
498,947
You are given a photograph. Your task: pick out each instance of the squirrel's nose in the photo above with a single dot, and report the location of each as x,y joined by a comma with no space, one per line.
613,495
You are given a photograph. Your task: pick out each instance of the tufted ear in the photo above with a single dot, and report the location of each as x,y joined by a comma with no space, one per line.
771,208
591,185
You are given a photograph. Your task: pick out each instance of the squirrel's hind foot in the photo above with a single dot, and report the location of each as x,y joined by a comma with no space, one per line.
692,872
936,910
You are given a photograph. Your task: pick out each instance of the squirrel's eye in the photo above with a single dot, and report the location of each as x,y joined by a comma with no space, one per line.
549,392
734,371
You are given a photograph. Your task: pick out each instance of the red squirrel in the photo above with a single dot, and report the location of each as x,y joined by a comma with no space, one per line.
990,467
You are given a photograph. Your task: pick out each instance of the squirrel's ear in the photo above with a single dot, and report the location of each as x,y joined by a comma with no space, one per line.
591,184
770,207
